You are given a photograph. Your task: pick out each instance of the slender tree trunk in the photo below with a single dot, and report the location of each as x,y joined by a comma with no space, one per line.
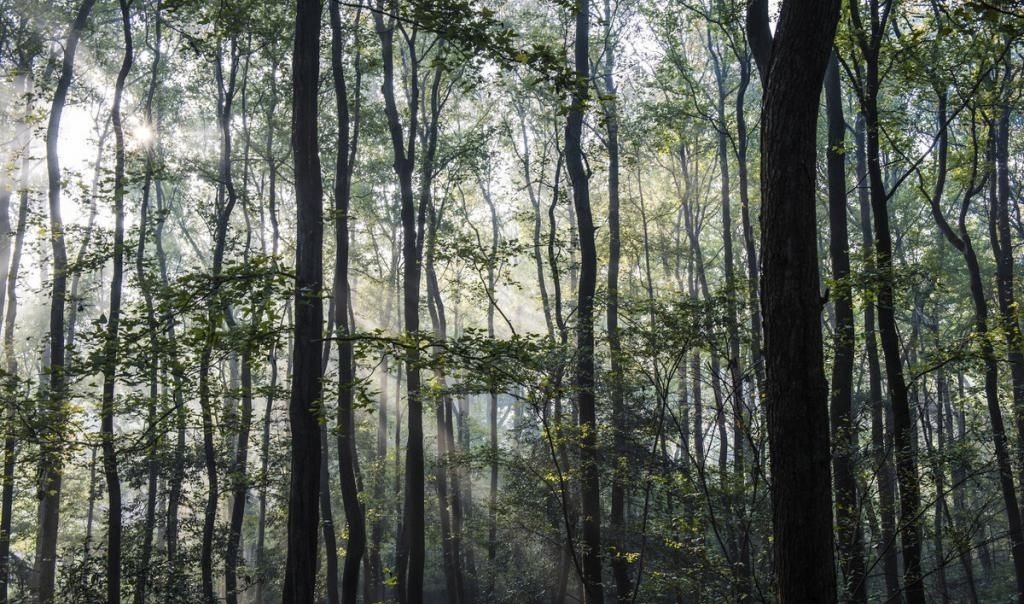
880,440
111,343
54,408
492,395
240,460
617,519
375,589
268,410
590,485
753,275
216,312
411,546
11,360
1003,253
958,474
326,509
347,145
844,435
152,330
869,40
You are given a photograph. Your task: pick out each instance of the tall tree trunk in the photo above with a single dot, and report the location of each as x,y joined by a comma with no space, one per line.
217,311
268,410
450,562
23,141
844,431
590,485
54,407
869,41
411,546
347,145
880,414
753,275
492,395
796,389
741,563
111,343
1003,253
375,589
303,516
243,422
617,519
152,326
177,477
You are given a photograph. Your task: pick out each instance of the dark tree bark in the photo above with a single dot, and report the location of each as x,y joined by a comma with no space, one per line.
869,41
961,240
844,432
1003,253
617,518
796,390
54,411
590,484
753,274
445,490
411,546
347,140
881,437
111,343
303,408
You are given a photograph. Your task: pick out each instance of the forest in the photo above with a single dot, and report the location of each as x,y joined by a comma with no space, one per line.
545,301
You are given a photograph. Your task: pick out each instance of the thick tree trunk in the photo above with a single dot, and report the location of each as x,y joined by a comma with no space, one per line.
796,389
303,503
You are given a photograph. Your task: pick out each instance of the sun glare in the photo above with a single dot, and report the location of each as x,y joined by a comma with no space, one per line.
143,134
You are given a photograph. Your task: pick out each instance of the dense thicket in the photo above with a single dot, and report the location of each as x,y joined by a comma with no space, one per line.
467,301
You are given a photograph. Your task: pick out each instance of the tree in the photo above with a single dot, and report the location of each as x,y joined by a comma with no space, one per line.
792,66
110,349
304,406
51,464
590,485
841,415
